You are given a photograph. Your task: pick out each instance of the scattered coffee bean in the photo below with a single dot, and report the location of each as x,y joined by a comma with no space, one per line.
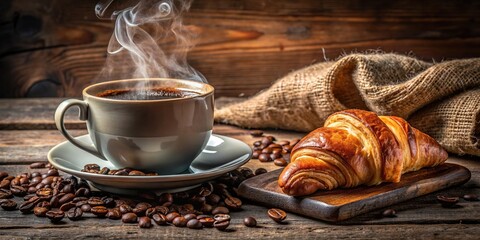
221,217
207,221
447,202
160,219
144,222
280,162
18,190
37,165
389,213
28,206
5,194
233,203
276,214
55,216
40,211
260,171
221,225
136,173
172,216
470,197
179,221
129,218
75,214
104,171
194,224
190,216
264,157
250,222
66,198
91,167
99,211
220,210
86,208
256,133
8,204
95,202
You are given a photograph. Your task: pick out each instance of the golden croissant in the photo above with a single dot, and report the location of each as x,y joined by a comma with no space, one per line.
357,147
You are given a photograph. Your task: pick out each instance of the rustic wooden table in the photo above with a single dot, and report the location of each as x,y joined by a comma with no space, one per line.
27,133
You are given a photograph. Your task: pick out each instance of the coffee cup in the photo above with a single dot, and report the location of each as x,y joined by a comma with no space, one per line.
157,125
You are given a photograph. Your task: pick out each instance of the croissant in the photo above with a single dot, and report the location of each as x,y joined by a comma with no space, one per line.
357,147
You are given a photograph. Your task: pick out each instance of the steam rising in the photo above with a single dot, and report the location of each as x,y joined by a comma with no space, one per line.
134,49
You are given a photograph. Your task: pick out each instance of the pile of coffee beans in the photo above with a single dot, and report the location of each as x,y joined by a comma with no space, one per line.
48,195
95,168
268,149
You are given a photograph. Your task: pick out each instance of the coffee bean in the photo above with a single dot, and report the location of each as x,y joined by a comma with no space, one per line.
40,211
233,203
67,206
44,204
66,198
179,221
8,204
447,202
104,171
136,173
144,222
267,150
256,133
129,218
5,194
114,214
221,217
150,212
109,202
172,216
52,172
160,219
190,216
276,214
266,140
44,192
470,197
250,222
23,181
213,199
94,201
280,162
221,225
54,200
37,165
124,208
75,214
91,167
28,206
247,172
389,213
256,154
264,157
86,208
260,171
5,183
220,210
207,221
99,211
18,191
28,196
121,172
55,216
68,189
80,200
3,175
287,148
206,208
161,209
194,224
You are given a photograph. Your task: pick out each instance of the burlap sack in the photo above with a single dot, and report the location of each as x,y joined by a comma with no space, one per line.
448,94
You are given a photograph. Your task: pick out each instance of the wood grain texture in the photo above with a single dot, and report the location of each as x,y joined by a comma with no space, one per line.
243,46
342,204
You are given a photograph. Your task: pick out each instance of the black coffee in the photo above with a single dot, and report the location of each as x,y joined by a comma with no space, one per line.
146,94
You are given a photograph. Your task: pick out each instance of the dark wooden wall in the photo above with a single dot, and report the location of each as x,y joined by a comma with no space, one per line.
55,48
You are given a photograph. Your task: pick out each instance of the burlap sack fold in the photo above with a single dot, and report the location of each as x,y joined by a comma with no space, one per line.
388,84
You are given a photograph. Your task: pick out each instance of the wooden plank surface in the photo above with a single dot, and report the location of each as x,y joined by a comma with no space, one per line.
242,46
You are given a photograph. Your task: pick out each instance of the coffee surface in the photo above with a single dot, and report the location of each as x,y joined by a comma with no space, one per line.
146,94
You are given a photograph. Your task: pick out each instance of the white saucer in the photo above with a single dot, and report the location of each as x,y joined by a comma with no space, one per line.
221,155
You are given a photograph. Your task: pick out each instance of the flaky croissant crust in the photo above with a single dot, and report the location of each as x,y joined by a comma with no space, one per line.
357,147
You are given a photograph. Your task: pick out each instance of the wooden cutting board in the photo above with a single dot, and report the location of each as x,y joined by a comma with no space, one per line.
341,204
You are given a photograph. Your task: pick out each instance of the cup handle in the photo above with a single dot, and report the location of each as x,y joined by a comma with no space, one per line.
83,115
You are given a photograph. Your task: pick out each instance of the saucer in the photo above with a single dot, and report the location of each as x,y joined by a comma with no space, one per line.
221,155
